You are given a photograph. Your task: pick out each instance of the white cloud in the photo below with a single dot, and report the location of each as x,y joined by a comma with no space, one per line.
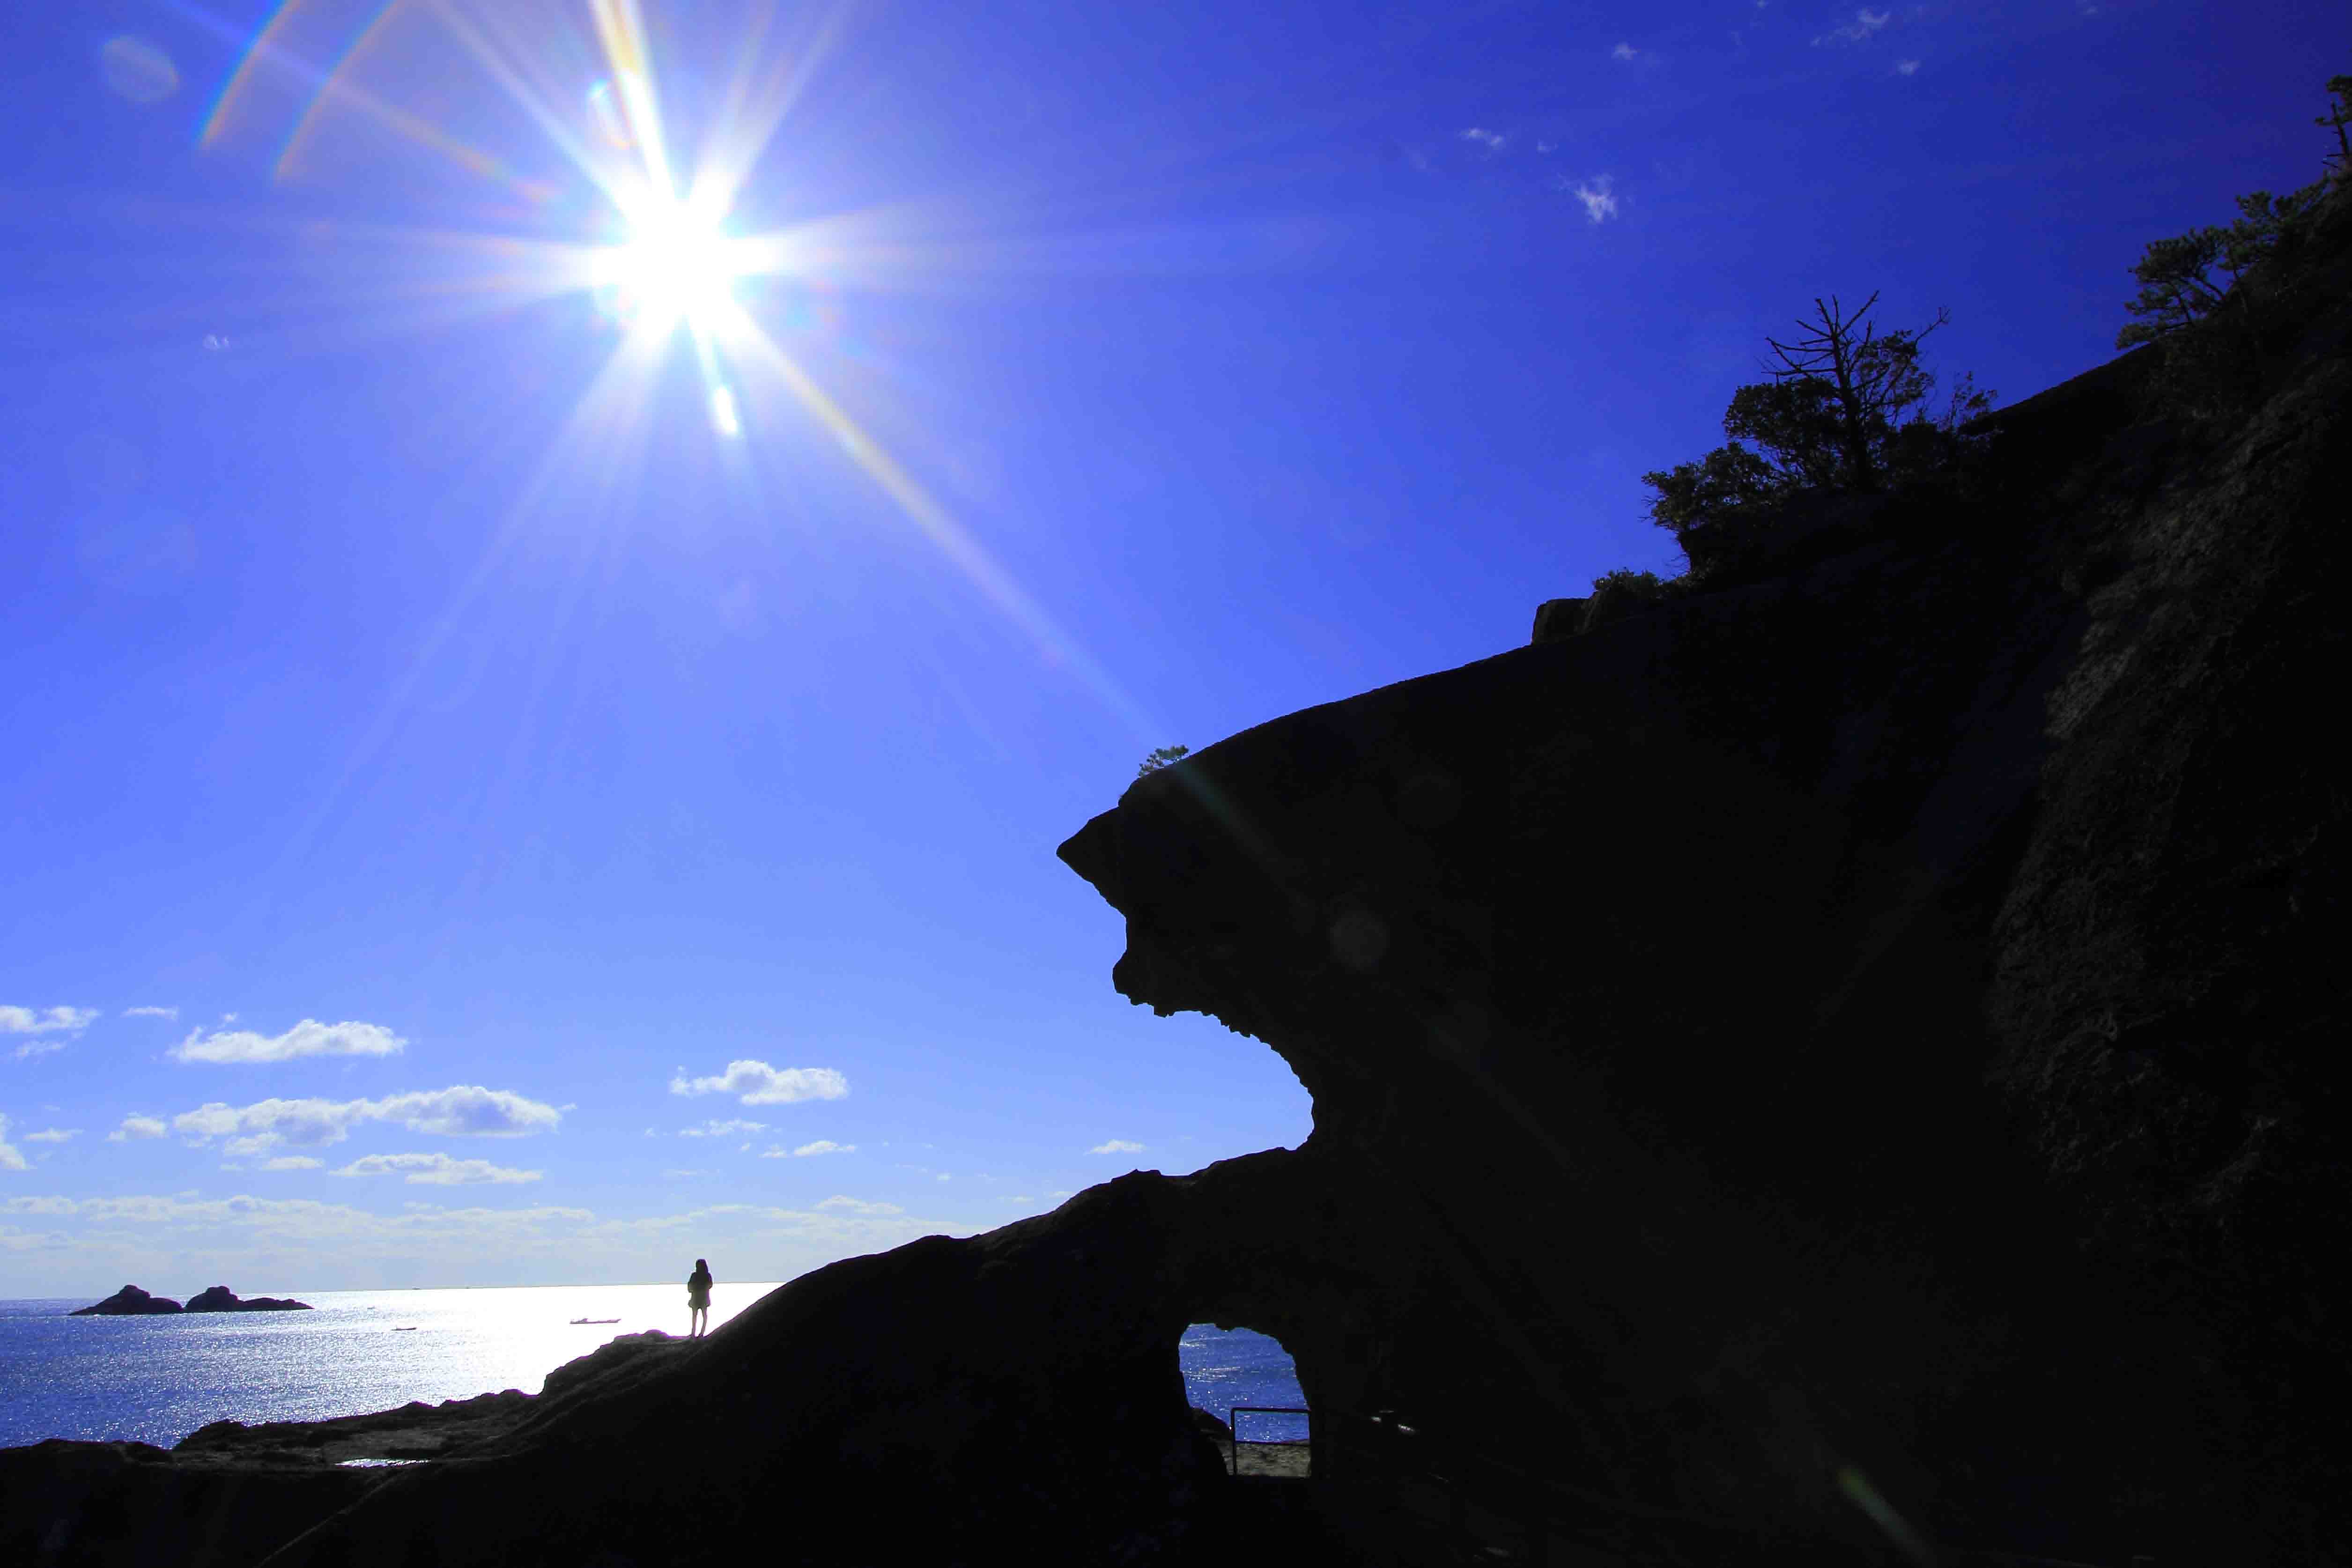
809,1150
759,1084
138,1127
53,1135
1492,141
1117,1146
859,1205
64,1023
307,1038
53,1021
1906,67
1865,23
735,1128
1624,52
435,1170
11,1159
293,1162
151,1012
461,1111
1600,200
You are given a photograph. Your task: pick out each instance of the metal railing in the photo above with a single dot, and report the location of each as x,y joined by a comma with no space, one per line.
1233,1430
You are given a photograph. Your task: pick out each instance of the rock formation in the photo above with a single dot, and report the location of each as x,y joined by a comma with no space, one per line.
1845,1050
1838,1067
132,1301
221,1298
127,1302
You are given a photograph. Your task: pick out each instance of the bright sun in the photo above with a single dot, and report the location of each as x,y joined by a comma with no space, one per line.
678,266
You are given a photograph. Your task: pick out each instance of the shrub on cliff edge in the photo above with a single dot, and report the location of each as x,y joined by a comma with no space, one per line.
2202,294
1846,408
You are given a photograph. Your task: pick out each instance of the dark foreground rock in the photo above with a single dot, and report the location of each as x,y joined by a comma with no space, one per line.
127,1302
101,1505
1843,1067
229,1494
221,1298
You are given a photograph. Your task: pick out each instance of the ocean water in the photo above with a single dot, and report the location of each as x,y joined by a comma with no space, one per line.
1223,1369
158,1379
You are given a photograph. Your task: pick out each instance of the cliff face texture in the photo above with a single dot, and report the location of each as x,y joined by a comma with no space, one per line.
1840,1066
1860,1044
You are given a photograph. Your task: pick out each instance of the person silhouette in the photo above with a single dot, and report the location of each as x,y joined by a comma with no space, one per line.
697,1299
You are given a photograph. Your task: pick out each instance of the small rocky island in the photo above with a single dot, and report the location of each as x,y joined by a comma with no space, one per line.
130,1301
221,1298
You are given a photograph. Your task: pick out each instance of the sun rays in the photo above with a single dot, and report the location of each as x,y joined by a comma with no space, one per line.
597,188
660,259
653,243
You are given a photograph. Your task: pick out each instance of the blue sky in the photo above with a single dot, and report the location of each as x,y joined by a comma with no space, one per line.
474,727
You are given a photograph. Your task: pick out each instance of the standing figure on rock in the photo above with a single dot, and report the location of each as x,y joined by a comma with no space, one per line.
697,1299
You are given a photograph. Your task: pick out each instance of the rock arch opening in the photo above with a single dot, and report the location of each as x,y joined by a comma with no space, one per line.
1230,1370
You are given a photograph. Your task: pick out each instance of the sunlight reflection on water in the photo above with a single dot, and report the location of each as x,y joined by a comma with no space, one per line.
158,1379
1223,1368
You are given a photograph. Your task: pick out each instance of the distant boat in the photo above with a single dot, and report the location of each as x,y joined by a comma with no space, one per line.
578,1320
409,1329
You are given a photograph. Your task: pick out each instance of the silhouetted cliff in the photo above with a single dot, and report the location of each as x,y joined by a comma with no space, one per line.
1864,1030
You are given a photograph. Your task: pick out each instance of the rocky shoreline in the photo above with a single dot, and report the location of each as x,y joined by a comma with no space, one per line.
256,1487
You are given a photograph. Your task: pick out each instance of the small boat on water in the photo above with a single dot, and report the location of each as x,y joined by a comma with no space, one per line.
409,1329
579,1320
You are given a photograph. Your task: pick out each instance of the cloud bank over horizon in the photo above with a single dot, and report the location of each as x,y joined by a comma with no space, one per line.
63,1245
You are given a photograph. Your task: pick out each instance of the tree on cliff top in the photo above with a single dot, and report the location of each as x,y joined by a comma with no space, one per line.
1846,408
2338,116
2186,278
1835,397
2177,286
